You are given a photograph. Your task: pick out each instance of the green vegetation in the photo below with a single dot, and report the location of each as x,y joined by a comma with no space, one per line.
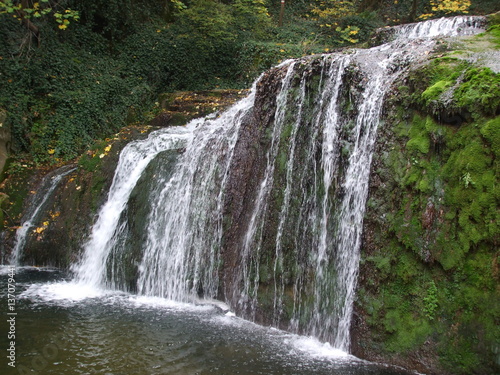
480,91
434,280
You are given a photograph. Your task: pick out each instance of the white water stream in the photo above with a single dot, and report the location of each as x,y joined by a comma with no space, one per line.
47,187
181,253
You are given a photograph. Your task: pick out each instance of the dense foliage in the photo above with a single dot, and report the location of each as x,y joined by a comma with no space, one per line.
73,71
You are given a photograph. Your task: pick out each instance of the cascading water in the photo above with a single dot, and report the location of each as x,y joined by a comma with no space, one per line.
328,220
183,228
253,235
293,255
47,187
133,160
181,253
441,27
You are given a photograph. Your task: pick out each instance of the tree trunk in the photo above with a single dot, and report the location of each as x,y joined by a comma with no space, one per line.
282,11
369,5
27,22
413,12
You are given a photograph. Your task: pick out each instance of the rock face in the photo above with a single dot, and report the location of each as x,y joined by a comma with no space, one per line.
427,295
246,173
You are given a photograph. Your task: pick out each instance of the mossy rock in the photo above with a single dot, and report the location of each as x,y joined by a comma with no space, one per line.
437,180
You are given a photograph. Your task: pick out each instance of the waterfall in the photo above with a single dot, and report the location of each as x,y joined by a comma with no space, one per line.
134,159
181,253
463,25
329,221
253,235
281,245
47,187
185,212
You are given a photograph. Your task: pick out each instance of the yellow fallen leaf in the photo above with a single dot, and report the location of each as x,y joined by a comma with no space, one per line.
51,151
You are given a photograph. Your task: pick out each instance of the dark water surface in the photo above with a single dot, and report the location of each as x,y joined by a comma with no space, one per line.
65,328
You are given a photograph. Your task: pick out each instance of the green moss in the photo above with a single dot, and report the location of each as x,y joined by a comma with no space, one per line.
435,276
382,264
491,132
433,92
437,75
287,131
407,331
407,267
476,90
431,301
494,31
473,158
493,20
480,91
464,175
420,143
421,132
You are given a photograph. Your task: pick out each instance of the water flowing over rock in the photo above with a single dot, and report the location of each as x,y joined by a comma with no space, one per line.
45,190
262,206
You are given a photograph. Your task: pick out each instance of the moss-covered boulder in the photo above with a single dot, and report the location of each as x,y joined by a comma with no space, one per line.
429,293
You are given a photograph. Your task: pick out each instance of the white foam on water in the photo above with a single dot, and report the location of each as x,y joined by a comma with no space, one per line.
7,269
313,347
69,293
230,319
307,346
66,292
163,303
